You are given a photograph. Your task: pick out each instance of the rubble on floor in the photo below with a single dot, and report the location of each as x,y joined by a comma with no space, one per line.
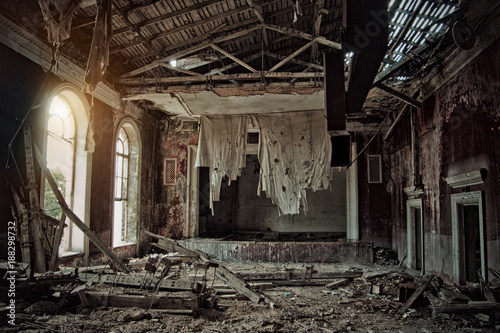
177,291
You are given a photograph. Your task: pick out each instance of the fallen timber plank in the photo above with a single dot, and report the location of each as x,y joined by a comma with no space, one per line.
292,283
147,282
147,302
415,295
72,216
470,307
221,272
277,276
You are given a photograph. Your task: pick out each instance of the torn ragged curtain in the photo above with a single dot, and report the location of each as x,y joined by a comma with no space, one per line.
58,15
99,52
221,147
294,155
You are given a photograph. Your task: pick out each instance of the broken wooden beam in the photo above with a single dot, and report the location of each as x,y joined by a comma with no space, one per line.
221,272
472,306
72,216
421,288
296,275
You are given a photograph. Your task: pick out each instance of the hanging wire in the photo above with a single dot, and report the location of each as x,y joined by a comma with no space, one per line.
373,137
10,152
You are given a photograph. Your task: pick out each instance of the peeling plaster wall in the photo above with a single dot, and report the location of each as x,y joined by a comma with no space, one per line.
458,132
171,199
373,198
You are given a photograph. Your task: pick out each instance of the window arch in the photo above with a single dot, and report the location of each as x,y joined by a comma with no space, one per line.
126,208
69,162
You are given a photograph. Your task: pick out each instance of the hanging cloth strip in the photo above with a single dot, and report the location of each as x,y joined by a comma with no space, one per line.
221,147
99,53
58,15
294,155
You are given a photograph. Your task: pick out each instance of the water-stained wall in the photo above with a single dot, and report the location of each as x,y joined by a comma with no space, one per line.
171,199
458,131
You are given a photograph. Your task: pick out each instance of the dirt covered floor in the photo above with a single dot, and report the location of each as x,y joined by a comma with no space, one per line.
368,303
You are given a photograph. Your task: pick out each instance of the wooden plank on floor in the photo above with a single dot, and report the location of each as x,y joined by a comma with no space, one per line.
141,301
296,275
415,295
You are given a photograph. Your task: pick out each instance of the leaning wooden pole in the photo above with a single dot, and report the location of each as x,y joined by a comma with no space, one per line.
34,207
72,216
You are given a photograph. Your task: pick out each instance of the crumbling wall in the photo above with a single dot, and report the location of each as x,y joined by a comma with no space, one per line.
458,131
373,198
171,199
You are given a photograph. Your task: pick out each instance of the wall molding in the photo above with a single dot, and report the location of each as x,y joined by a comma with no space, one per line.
467,179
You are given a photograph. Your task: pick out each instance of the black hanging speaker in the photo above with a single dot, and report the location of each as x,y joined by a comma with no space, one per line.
341,148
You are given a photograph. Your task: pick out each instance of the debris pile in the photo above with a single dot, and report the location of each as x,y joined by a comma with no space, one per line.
181,290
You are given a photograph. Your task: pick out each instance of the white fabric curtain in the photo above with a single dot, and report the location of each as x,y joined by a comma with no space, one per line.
294,154
221,147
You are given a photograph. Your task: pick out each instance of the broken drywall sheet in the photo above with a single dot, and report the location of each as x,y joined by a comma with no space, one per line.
294,155
221,147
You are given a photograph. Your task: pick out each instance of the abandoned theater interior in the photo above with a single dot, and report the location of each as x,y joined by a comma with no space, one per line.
317,165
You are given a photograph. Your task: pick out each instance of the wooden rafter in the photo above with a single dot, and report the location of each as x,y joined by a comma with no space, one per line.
232,65
180,44
399,95
256,9
165,17
318,15
137,31
190,50
230,56
291,56
294,61
408,24
300,34
201,22
174,68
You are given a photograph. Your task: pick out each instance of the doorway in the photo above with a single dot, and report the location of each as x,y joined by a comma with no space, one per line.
415,234
468,237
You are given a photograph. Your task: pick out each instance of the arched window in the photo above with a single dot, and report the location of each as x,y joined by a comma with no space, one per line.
126,189
69,163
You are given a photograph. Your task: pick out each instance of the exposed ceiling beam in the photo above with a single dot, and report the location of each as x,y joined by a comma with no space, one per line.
230,56
233,65
190,50
178,13
136,30
256,10
174,68
291,56
318,15
399,95
225,77
200,22
138,92
166,16
294,61
300,34
409,23
304,71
